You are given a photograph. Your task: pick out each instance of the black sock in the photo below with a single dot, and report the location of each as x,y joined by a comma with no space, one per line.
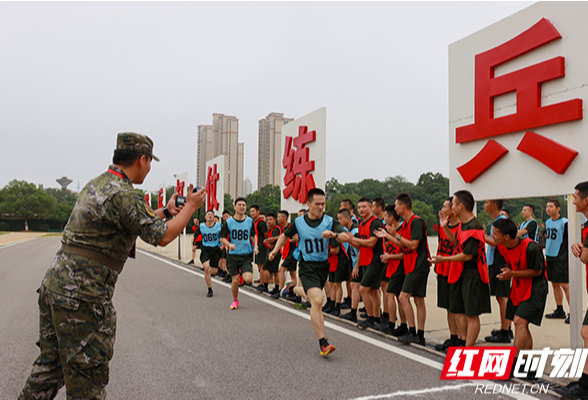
453,338
403,325
373,319
385,315
392,325
560,308
503,332
265,285
421,334
584,381
353,311
337,306
210,289
323,342
412,330
461,342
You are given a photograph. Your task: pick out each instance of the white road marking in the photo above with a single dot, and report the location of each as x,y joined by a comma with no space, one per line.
416,392
10,244
354,334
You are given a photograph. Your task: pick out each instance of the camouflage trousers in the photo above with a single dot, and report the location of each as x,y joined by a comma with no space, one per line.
76,339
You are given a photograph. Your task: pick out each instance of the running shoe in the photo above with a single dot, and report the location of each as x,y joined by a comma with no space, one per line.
190,262
235,305
326,350
336,312
275,290
573,391
209,294
498,331
409,338
306,304
500,338
284,293
349,317
228,279
368,323
567,321
556,314
275,295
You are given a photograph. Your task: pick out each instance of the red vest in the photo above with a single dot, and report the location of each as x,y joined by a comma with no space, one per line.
270,233
516,259
446,248
285,248
334,259
457,267
366,254
410,256
255,223
393,265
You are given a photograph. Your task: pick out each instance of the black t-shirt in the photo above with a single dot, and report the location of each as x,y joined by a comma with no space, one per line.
471,245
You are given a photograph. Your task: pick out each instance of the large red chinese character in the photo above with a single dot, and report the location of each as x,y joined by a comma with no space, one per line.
298,179
160,198
211,180
526,83
180,188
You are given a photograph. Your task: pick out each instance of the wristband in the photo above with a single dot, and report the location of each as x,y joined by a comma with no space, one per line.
166,212
399,237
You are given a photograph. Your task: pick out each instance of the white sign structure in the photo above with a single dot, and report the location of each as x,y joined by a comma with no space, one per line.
517,88
303,158
517,91
161,196
215,185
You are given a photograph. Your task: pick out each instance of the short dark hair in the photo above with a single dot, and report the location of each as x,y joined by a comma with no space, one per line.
284,212
554,202
271,215
349,204
226,212
506,227
507,211
380,202
391,210
255,206
314,192
211,211
449,199
499,203
238,199
532,207
125,158
303,210
365,200
466,198
345,212
405,199
582,189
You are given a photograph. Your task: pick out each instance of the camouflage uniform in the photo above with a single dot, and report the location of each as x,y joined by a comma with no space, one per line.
77,318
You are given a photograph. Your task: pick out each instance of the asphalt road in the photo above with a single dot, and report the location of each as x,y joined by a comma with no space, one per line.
174,343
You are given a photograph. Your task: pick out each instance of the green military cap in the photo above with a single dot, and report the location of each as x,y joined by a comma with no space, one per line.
135,142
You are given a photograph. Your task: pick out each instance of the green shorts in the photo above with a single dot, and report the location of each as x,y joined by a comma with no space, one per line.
385,278
531,309
290,263
415,284
557,270
498,288
236,263
359,275
396,281
211,254
469,295
313,274
442,292
373,274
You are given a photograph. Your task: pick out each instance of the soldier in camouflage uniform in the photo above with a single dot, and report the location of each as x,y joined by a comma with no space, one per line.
77,318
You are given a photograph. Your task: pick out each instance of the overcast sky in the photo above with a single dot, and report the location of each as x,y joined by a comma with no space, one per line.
73,75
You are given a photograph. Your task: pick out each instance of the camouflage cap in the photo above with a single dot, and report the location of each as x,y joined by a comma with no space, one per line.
135,142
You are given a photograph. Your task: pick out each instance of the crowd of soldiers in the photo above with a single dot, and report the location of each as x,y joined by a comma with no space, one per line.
385,259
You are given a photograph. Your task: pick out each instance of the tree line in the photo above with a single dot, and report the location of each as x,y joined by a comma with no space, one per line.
22,202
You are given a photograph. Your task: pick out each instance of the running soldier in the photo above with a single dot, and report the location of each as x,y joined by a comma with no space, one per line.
196,240
271,267
289,263
556,254
210,252
223,257
261,233
316,231
241,231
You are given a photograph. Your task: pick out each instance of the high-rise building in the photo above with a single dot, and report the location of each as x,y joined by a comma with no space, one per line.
270,145
221,138
247,187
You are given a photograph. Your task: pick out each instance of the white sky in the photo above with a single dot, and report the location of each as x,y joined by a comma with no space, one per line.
73,75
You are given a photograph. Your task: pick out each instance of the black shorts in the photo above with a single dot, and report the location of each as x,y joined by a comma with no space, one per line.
415,283
557,270
272,266
239,263
373,274
290,263
223,253
211,254
531,309
497,287
469,295
396,281
359,275
261,257
442,292
340,275
313,274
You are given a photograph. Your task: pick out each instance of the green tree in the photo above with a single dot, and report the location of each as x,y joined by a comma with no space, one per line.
229,204
433,189
267,198
24,200
425,211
